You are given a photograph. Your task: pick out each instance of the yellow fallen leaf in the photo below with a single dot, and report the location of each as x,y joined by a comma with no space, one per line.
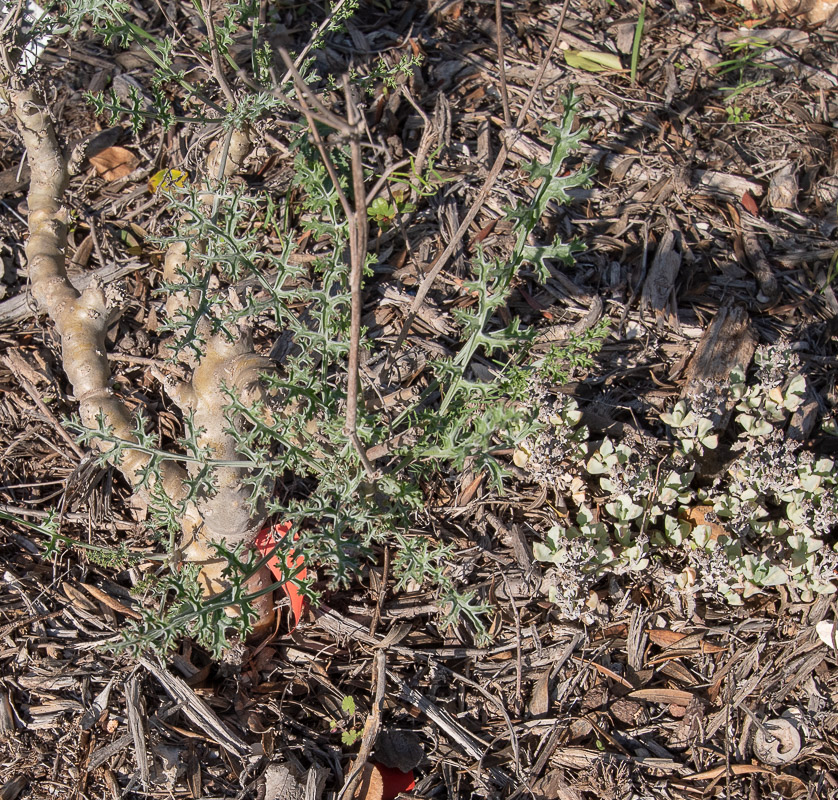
167,179
677,697
826,632
704,515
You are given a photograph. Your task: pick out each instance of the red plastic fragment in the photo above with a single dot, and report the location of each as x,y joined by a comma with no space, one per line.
265,542
395,781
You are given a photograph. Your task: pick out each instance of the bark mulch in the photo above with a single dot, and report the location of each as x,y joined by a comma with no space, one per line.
714,195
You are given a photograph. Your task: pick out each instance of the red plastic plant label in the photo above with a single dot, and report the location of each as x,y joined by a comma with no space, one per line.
265,543
395,781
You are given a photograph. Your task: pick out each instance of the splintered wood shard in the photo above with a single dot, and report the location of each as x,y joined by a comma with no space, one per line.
728,342
659,287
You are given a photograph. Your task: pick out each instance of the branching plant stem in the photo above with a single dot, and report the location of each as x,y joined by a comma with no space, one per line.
356,214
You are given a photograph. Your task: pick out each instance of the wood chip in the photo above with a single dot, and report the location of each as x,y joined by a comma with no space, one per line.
578,758
281,783
7,716
136,715
198,712
103,754
371,784
659,287
540,699
12,788
724,186
769,289
22,305
783,188
666,696
97,707
728,342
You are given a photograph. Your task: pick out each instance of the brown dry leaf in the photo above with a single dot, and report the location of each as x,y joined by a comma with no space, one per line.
109,601
609,673
698,515
114,163
371,785
666,638
553,786
749,204
468,493
618,631
676,697
680,674
789,786
78,599
451,10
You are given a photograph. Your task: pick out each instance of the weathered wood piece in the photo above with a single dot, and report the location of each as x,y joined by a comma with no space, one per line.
659,286
728,342
136,715
811,12
803,421
196,709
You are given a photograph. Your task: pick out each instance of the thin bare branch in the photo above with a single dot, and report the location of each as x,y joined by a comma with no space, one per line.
504,93
358,233
371,727
320,112
356,217
217,67
441,260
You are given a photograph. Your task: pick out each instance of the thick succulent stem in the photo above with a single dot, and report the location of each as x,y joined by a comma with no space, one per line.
80,319
225,364
223,515
180,258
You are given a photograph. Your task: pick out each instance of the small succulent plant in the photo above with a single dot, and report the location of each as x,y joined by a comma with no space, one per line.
763,523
